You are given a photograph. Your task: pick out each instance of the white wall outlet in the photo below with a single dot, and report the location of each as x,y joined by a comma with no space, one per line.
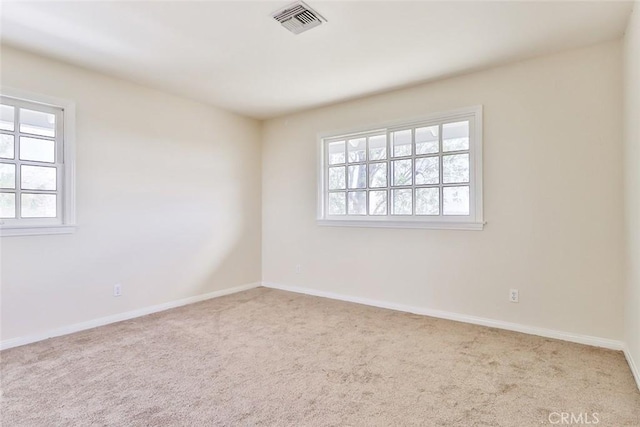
298,269
117,290
513,295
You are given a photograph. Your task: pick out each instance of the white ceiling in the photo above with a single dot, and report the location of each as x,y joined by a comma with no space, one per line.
235,56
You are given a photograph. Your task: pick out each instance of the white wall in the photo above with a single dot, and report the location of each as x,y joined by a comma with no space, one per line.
553,201
168,202
632,183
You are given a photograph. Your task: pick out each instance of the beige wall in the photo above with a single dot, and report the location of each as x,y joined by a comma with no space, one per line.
168,203
553,201
632,183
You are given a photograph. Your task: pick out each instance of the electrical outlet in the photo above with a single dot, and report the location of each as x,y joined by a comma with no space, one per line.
298,269
117,290
513,295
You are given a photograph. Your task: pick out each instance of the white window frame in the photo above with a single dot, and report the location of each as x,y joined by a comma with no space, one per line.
473,221
65,222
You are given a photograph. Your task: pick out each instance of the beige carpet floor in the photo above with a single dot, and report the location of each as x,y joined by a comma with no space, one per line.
266,357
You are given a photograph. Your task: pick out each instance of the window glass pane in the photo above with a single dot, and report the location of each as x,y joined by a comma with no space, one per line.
427,170
38,205
37,178
7,205
402,202
427,201
7,175
377,202
455,168
358,176
36,149
357,150
427,141
378,147
337,178
336,152
337,204
37,122
357,203
402,172
377,175
401,143
7,147
455,200
455,136
7,117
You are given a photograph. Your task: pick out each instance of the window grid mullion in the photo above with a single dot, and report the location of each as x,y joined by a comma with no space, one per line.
366,201
387,188
441,172
16,139
413,171
367,156
389,176
39,163
28,191
388,181
327,193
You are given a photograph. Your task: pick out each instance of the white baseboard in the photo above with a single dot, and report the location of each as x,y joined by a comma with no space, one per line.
531,330
548,333
77,327
632,364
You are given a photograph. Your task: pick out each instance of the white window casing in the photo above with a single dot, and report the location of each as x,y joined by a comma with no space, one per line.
61,115
408,174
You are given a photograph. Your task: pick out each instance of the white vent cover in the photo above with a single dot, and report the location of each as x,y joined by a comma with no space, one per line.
298,17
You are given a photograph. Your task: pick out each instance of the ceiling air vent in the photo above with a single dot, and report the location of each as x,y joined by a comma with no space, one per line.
298,17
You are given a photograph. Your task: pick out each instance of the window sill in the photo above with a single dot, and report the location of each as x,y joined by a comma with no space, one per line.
36,230
428,225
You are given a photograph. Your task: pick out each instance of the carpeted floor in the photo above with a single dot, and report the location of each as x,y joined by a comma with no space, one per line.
267,357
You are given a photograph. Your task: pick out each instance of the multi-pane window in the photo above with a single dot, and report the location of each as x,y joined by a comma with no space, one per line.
426,172
32,165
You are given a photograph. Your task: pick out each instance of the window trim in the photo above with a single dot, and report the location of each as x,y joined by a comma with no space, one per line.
68,221
474,221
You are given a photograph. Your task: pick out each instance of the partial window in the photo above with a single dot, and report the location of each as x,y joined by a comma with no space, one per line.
36,166
425,173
